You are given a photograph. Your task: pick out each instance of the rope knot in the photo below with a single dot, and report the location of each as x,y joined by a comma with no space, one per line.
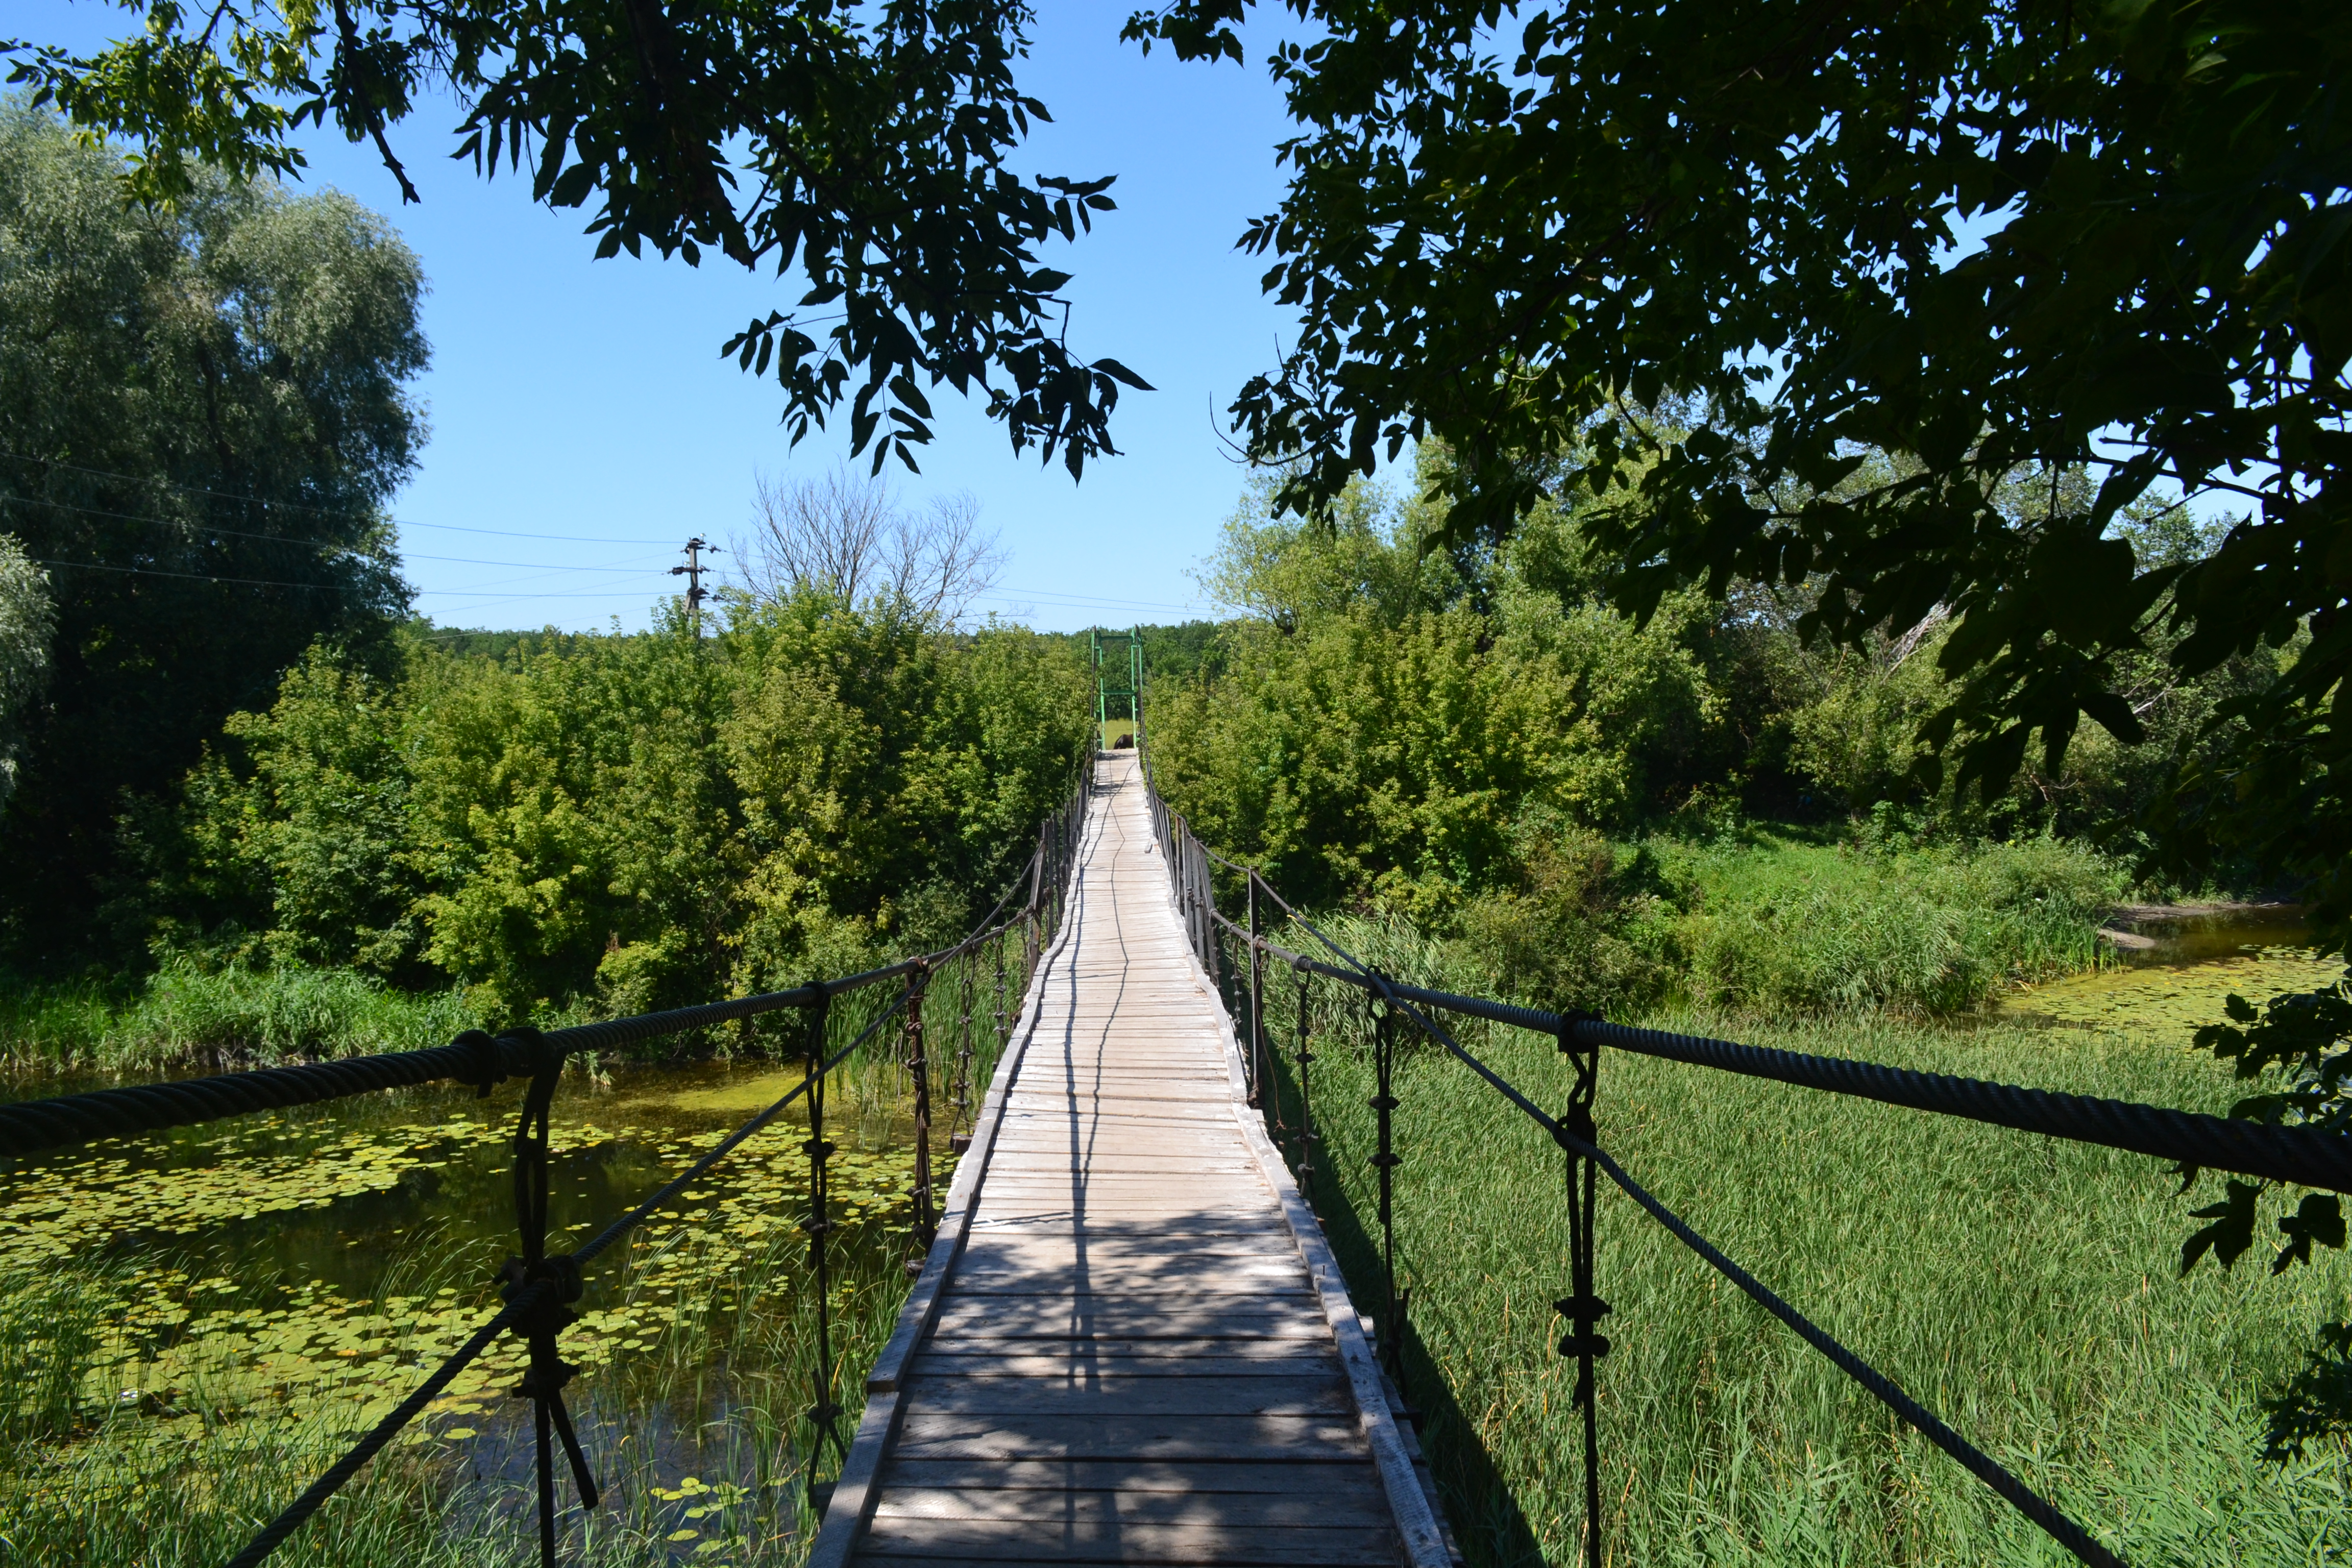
1583,1312
562,1272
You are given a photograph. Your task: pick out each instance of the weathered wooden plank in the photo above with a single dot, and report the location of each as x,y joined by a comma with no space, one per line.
1257,1439
1082,1363
1339,1480
896,1538
1202,1395
1130,1276
1359,1506
1122,1317
1004,1249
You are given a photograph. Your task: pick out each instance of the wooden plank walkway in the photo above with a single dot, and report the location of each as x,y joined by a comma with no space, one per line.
1131,1343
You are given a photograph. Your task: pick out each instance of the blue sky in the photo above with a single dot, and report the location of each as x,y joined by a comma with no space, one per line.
583,424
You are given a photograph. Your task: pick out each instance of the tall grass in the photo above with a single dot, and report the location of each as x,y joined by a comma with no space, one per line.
2021,1288
186,1015
1759,922
1922,931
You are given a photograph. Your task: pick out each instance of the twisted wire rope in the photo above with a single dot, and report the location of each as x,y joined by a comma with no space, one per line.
2299,1154
478,1059
2026,1500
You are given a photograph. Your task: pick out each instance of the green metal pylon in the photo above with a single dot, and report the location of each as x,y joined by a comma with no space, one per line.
1119,685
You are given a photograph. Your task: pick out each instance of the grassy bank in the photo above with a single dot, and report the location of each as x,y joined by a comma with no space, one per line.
184,1016
2022,1289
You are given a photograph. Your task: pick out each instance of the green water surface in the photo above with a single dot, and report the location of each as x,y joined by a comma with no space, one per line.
2167,992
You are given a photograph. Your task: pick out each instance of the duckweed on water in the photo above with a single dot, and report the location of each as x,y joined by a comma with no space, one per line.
187,1339
2173,1002
193,1345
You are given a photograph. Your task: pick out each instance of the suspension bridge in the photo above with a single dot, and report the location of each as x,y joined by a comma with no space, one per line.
1128,1340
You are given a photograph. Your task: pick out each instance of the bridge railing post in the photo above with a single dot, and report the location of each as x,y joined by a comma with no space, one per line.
1256,1004
547,1372
1583,1308
1385,1162
918,1063
824,1410
1306,1139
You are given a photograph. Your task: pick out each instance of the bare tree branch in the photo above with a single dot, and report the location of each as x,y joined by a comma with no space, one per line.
846,537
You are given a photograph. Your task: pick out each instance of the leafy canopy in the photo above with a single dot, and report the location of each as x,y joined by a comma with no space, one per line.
1515,228
864,144
202,415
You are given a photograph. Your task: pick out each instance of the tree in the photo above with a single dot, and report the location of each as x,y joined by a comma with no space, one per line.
1517,236
201,415
847,538
1982,241
864,146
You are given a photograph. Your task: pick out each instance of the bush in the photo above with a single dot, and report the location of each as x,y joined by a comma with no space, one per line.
1580,935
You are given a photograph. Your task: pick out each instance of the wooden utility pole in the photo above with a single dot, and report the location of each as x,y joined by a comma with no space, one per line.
692,572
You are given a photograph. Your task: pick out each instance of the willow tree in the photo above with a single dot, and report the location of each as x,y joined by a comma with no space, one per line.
202,413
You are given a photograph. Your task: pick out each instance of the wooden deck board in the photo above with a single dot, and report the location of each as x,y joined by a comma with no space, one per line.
1128,1352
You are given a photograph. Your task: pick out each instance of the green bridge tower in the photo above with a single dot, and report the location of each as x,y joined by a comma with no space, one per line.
1119,687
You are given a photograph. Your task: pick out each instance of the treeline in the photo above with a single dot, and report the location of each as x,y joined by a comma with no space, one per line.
1471,741
622,822
225,751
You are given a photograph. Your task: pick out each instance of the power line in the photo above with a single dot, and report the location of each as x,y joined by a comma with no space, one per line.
207,528
293,505
512,533
324,587
189,576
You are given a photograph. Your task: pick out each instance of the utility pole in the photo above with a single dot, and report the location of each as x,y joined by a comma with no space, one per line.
692,572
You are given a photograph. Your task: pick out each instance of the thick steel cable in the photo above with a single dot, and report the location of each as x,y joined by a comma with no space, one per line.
33,1126
517,1055
269,1541
670,1189
2297,1154
1983,1466
29,1127
1979,1102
